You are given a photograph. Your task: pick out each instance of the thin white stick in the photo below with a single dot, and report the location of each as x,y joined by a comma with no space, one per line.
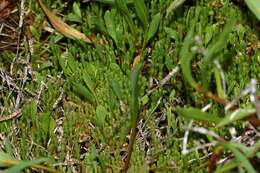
186,135
185,139
205,131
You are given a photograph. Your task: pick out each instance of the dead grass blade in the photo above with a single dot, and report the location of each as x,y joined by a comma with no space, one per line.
62,27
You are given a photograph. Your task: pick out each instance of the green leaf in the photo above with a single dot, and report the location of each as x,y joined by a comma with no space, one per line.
153,27
219,86
110,25
88,81
116,89
241,30
214,49
227,167
141,12
122,6
173,34
72,64
254,6
63,63
74,18
22,165
83,91
44,118
209,31
236,115
197,114
174,5
134,104
76,15
76,9
221,42
97,23
241,159
3,157
99,117
186,56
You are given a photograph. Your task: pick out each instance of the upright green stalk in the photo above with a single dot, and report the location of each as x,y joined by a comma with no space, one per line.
134,108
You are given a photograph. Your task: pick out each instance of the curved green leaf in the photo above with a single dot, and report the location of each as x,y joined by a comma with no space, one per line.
254,6
174,5
197,114
83,92
241,159
186,57
236,115
141,12
22,165
153,27
110,25
4,156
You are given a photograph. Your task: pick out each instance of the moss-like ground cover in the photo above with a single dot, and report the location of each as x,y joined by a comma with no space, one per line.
150,68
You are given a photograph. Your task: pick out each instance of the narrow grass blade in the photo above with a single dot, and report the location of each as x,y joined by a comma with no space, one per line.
21,165
153,27
134,92
99,117
219,86
174,5
197,114
76,9
221,42
254,6
241,159
235,116
227,167
3,157
83,92
186,57
116,89
122,7
173,34
76,15
214,49
88,81
62,27
134,108
110,25
142,12
112,2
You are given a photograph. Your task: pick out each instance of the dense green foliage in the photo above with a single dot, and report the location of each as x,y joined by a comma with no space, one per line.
81,100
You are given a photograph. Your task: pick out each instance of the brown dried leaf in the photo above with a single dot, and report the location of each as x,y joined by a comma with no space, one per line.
62,27
6,7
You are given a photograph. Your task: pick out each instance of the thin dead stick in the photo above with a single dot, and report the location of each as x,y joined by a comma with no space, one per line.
186,135
164,80
62,27
202,146
14,115
20,30
205,131
38,166
185,139
58,100
250,89
210,95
